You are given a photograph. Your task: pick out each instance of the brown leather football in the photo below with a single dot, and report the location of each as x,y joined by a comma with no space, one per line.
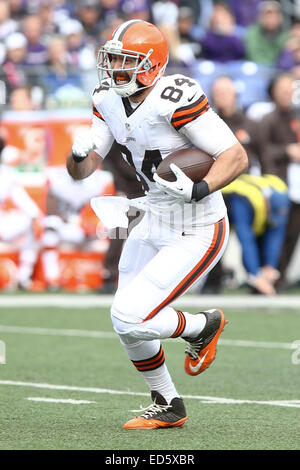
193,162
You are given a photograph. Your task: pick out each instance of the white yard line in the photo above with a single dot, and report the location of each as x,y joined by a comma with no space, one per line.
203,399
61,400
74,301
57,332
110,335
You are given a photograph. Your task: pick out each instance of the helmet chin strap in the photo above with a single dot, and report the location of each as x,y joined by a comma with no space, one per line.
131,88
127,90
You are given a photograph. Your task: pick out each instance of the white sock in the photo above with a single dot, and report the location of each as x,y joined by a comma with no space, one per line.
148,358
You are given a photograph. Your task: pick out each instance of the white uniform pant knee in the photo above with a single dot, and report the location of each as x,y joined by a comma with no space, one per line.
133,332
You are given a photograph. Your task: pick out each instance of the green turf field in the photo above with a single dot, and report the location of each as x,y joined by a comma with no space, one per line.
248,399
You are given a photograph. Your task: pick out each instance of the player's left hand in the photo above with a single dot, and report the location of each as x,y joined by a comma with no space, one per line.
182,187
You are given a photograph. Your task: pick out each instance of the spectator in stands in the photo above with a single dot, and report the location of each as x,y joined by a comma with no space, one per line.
266,38
79,54
202,11
245,11
37,53
221,42
290,57
18,221
58,73
7,25
14,72
164,13
18,9
189,36
109,25
88,13
139,9
280,132
258,208
224,98
291,9
46,14
110,9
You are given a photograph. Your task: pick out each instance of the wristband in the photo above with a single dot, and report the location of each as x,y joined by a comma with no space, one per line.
77,159
200,190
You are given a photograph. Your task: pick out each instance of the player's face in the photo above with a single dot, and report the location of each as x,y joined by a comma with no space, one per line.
119,64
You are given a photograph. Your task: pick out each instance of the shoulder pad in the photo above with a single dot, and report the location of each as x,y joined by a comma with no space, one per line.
100,92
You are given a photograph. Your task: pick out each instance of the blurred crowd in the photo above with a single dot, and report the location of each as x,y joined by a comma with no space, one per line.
246,55
50,47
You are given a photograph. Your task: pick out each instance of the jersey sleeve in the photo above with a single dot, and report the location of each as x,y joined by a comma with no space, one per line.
210,133
190,114
195,107
182,100
99,124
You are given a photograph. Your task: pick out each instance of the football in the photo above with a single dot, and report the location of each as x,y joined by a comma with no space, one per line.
193,162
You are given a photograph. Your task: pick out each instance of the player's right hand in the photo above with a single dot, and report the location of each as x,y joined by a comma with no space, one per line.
86,141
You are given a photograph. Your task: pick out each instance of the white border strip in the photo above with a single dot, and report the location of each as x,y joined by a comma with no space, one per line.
71,301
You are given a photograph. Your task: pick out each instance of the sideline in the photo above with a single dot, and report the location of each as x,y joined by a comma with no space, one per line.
71,301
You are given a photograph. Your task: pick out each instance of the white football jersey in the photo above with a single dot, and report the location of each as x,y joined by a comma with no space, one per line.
11,189
72,194
8,180
174,112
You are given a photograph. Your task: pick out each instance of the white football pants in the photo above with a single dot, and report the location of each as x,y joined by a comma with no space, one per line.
155,271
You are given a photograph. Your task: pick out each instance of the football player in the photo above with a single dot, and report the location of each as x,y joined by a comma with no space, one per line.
20,221
184,231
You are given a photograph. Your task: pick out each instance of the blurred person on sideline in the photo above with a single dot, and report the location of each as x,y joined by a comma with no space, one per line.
20,221
258,208
266,38
280,130
7,24
224,98
63,222
222,43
